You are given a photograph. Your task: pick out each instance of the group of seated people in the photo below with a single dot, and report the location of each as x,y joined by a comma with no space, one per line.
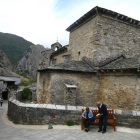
103,115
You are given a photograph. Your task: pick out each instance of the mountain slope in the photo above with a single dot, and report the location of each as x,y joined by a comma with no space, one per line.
30,61
13,46
4,61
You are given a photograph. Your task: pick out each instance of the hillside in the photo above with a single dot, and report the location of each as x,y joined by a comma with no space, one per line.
30,61
4,61
5,67
13,46
7,72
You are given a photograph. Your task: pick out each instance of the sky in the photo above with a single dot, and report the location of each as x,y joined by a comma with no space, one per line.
45,21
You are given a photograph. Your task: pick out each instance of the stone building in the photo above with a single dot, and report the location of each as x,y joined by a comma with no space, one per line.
55,55
101,33
101,62
7,83
52,81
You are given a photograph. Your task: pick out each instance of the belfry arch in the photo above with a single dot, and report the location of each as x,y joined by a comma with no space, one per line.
56,46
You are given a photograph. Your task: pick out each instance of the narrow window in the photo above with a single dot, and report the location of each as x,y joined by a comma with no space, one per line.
79,55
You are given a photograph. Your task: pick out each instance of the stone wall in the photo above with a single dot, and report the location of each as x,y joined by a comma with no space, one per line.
45,61
51,87
102,37
128,120
43,87
70,95
116,37
18,95
117,92
60,58
83,40
120,92
37,114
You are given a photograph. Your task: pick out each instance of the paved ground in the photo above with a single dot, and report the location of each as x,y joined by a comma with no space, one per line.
10,131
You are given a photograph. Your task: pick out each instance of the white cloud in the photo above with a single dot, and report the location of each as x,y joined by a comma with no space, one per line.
42,21
32,19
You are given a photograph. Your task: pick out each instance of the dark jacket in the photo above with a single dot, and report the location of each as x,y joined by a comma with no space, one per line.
103,110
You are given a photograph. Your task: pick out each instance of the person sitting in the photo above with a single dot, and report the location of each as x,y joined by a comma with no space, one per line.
88,118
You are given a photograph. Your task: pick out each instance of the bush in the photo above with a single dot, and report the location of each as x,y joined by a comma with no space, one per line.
32,80
70,123
24,74
25,93
24,84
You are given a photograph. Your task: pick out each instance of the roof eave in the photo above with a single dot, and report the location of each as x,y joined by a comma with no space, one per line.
102,11
61,70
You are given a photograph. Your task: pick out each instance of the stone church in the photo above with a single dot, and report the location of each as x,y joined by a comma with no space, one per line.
101,62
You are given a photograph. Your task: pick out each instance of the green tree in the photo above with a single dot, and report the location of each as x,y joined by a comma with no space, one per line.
25,93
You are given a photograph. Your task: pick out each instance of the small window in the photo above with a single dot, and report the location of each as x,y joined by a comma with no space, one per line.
79,55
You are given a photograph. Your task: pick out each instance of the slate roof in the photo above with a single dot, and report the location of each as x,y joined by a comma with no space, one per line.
86,65
71,65
59,51
17,80
123,63
104,12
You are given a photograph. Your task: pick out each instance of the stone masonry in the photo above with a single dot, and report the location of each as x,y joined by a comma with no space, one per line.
85,39
120,92
39,114
70,95
53,91
103,37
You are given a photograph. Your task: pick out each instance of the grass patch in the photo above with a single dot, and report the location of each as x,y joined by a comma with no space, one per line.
70,123
34,80
76,123
24,84
22,74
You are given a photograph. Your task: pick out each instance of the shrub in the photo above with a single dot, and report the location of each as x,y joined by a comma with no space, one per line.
24,74
25,93
24,84
33,80
70,123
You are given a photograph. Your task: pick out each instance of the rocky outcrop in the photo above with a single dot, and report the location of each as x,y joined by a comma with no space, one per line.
4,61
7,72
30,61
6,67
